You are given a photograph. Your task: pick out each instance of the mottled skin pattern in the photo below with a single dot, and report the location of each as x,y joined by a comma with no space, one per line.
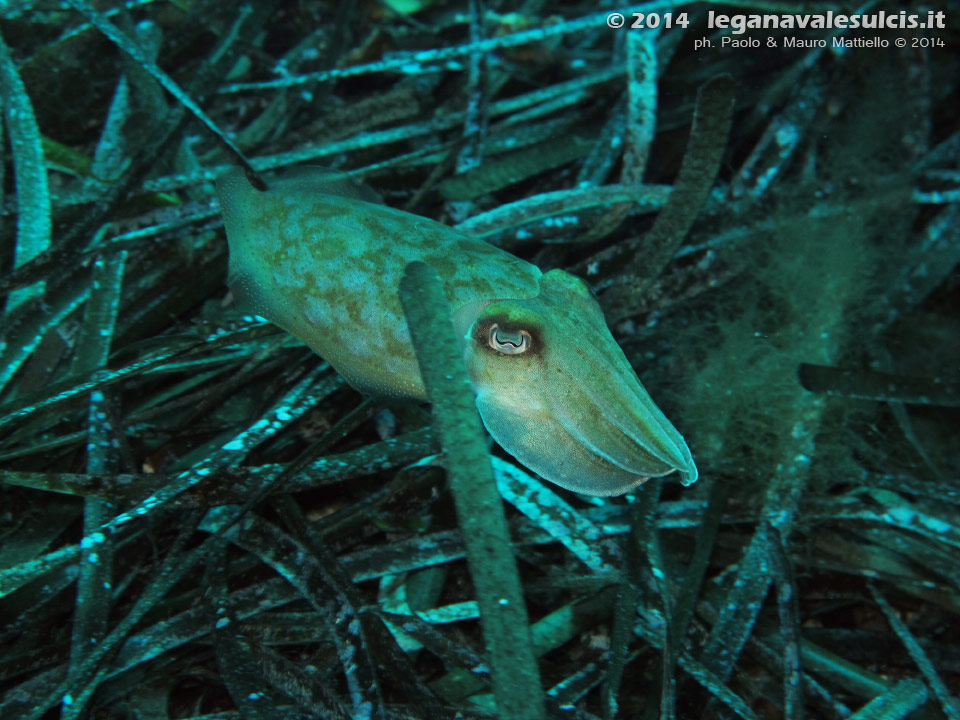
312,256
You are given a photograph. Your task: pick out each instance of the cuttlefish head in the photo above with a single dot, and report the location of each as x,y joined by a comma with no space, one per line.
556,391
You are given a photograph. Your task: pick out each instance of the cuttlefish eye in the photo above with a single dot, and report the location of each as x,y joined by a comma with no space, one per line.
508,343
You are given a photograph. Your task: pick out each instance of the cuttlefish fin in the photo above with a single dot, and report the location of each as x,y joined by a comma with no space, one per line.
316,179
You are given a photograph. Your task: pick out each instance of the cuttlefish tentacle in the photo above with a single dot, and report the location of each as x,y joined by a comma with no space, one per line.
314,255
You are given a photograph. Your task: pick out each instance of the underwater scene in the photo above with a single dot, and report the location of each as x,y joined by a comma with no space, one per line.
463,359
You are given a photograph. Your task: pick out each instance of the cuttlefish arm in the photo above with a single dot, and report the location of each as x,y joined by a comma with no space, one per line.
317,258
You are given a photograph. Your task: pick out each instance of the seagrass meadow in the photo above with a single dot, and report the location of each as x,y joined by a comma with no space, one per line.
200,519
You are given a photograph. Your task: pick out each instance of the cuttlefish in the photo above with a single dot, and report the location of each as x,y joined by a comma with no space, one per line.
316,255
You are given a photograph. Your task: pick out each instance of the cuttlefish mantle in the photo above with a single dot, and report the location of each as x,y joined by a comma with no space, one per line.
315,256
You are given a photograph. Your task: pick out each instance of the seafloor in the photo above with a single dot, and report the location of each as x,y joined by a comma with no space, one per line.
200,518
